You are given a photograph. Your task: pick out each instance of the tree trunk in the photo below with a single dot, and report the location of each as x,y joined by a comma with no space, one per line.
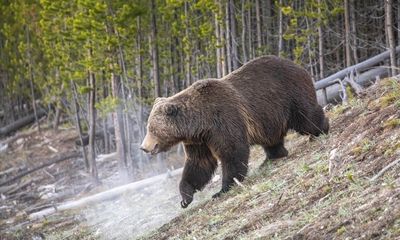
92,128
187,51
310,50
267,23
258,25
222,34
78,125
280,31
106,137
390,36
234,44
139,76
228,37
244,52
119,130
20,123
154,51
57,116
250,35
218,47
347,33
353,30
320,42
31,79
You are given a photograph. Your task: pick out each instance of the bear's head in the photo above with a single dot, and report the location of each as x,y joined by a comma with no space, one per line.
163,128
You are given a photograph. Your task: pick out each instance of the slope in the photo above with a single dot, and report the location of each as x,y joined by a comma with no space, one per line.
338,186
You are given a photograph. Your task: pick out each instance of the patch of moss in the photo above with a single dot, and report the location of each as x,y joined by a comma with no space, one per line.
364,146
391,123
339,109
341,230
393,95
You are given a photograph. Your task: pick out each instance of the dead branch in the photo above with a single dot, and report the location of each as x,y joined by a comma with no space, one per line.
381,172
238,183
54,160
343,96
357,87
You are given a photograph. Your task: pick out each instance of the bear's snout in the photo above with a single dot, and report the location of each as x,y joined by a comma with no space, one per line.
187,192
149,144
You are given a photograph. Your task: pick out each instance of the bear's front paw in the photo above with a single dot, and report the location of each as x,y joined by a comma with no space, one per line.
185,203
217,195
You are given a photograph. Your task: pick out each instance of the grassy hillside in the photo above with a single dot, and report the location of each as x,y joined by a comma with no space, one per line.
332,187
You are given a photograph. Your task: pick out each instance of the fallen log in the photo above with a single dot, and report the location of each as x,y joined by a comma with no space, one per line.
20,123
323,83
17,136
103,196
54,160
364,79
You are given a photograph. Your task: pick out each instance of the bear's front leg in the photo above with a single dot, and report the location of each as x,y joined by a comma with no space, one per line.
199,167
234,162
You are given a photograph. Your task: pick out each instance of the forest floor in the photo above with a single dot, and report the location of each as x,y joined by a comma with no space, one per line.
335,187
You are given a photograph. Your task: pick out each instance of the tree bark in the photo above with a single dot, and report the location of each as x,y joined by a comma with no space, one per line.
92,128
320,42
390,36
250,34
353,30
244,52
258,25
228,37
234,44
106,137
223,41
280,31
347,33
321,52
218,47
154,51
187,52
119,130
78,125
267,22
31,77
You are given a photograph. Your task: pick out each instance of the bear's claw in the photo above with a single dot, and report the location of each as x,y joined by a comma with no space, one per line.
184,204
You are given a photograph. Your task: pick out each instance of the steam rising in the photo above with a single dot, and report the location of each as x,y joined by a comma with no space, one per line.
139,212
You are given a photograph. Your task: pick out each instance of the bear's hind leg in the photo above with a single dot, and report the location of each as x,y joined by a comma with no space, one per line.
199,167
234,165
276,151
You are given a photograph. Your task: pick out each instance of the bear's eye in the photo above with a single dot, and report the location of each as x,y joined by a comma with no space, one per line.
171,110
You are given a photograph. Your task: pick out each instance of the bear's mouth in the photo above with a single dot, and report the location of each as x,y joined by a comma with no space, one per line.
155,150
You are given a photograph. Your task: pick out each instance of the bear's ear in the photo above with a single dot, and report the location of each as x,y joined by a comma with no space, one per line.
171,109
201,85
159,99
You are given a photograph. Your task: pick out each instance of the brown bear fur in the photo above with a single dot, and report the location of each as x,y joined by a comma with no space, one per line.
220,118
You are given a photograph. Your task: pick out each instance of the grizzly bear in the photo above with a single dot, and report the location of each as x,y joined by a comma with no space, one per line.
219,119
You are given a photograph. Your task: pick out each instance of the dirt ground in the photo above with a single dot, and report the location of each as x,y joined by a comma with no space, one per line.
345,185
